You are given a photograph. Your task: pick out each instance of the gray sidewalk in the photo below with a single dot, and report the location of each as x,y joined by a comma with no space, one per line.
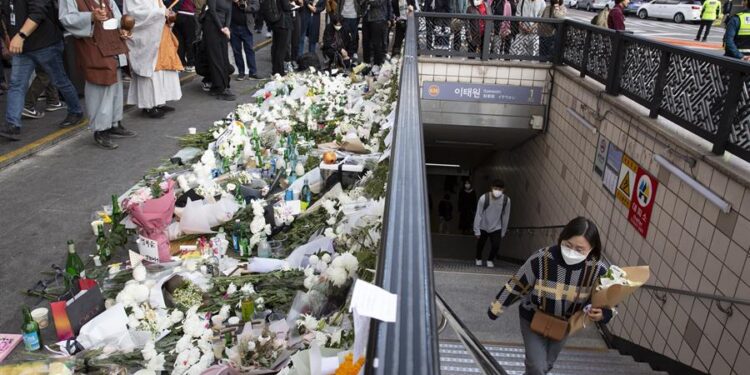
51,196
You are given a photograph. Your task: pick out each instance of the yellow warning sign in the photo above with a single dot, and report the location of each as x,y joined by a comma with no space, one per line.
625,184
628,170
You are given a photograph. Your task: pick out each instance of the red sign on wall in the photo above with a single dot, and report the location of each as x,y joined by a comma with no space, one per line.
642,201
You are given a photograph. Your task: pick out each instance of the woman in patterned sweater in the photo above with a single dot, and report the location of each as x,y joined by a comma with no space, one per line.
558,281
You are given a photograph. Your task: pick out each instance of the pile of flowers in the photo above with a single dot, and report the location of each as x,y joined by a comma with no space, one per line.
243,159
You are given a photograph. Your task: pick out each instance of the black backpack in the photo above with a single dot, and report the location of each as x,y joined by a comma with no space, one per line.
270,11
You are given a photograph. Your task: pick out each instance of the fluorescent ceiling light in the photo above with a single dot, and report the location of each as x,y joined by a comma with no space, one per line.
582,120
459,143
442,165
723,205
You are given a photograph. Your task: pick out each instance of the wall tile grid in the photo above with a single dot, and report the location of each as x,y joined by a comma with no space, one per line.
691,245
491,75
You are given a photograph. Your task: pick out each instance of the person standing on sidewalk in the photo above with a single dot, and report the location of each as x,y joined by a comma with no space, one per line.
709,13
184,30
350,12
616,17
467,206
282,28
37,41
374,18
737,35
310,25
100,53
242,37
41,84
154,63
491,221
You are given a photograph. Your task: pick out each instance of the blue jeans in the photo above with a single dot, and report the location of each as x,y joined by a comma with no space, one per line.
50,59
306,24
241,36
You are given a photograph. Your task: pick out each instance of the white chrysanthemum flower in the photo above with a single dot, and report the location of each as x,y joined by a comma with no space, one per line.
231,289
313,260
326,258
139,273
248,289
310,282
177,316
337,276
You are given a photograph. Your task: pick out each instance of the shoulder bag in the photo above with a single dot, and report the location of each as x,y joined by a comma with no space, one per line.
547,325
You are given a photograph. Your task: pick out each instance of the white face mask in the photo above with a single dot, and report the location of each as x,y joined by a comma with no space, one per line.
477,2
337,28
497,193
467,186
571,256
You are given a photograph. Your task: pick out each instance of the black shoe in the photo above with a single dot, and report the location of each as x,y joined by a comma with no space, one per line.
153,112
704,39
52,107
32,113
102,140
254,76
10,132
206,86
120,132
72,120
226,95
165,108
240,77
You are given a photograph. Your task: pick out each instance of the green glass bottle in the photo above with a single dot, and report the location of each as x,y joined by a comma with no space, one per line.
305,196
244,242
102,247
32,340
248,308
73,264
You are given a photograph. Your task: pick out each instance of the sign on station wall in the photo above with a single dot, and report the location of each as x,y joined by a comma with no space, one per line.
471,92
633,186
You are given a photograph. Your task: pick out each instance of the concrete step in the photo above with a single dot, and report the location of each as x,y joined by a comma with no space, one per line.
455,360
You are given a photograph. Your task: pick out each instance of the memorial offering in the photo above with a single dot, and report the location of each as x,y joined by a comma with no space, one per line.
240,255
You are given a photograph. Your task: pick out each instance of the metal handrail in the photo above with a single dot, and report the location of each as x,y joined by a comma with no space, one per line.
486,362
408,346
714,297
538,227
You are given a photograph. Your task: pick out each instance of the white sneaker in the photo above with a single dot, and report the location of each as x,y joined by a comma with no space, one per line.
478,262
490,264
269,34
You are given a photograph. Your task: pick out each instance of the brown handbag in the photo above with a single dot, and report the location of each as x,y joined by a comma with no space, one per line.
550,326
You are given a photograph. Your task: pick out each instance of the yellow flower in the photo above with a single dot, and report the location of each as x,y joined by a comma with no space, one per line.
348,367
103,215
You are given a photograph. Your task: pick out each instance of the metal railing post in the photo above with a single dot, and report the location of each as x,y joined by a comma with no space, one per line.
661,80
488,24
586,49
559,44
613,75
730,110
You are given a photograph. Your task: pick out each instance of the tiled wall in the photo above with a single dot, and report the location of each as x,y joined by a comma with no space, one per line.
691,245
475,71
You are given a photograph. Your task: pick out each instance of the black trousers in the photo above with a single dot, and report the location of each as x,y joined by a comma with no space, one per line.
279,49
293,39
373,48
707,25
495,239
398,38
217,49
184,30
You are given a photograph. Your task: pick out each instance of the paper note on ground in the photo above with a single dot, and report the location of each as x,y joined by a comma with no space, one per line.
373,301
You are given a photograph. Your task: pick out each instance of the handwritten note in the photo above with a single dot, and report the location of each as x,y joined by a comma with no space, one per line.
374,302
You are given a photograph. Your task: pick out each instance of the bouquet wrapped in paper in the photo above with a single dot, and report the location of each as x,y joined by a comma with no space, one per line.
153,216
610,290
618,284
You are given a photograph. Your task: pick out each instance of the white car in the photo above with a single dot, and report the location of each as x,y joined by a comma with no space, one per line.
677,10
570,3
591,5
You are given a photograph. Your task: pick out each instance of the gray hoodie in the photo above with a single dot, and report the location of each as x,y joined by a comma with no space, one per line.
489,220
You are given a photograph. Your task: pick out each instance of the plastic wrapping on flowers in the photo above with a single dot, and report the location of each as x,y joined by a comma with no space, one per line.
290,279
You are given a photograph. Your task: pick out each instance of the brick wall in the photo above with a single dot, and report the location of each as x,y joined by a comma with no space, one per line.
691,245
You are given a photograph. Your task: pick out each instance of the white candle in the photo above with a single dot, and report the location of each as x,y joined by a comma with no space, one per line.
95,226
192,131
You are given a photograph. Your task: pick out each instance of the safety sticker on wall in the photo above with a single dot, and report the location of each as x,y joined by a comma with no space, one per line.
626,182
642,200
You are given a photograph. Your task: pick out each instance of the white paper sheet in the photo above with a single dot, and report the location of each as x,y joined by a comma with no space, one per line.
295,260
374,302
108,328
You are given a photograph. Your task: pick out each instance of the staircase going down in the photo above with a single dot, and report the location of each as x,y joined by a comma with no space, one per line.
455,360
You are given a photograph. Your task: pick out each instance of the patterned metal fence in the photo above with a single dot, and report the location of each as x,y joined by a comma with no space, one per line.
706,94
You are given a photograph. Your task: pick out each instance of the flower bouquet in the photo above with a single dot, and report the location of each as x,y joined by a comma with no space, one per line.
610,290
152,213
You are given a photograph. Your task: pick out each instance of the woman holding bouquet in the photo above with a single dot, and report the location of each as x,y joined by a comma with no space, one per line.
555,285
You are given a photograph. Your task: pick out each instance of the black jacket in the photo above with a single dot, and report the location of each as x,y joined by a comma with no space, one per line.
220,12
375,10
334,41
286,21
43,12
